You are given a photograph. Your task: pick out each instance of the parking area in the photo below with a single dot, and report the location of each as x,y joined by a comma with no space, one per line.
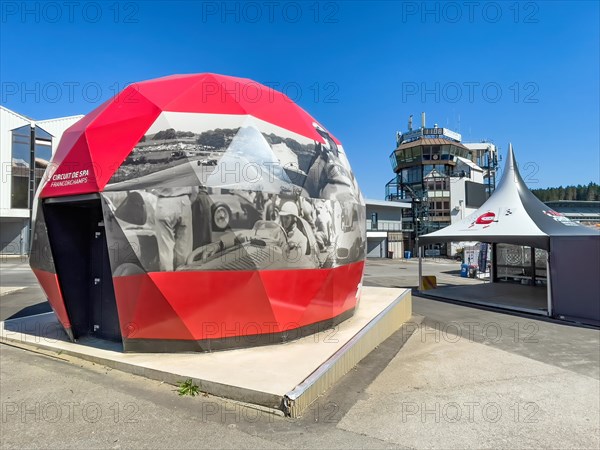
405,272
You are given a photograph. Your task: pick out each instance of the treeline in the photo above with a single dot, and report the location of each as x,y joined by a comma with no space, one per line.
217,138
171,134
579,192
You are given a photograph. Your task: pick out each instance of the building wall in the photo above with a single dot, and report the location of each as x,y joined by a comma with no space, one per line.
389,223
458,209
457,199
14,236
14,222
9,120
56,127
384,213
396,249
376,247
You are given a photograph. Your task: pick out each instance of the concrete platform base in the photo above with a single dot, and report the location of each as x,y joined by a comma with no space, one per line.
528,299
286,377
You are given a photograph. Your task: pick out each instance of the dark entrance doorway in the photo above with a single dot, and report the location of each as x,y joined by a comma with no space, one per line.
79,247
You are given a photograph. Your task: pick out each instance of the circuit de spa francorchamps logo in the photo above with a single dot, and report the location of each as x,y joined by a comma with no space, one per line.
485,219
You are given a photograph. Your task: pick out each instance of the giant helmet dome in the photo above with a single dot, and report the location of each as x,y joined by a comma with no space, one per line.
169,197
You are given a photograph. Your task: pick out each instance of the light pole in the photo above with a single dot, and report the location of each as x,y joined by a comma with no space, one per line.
31,184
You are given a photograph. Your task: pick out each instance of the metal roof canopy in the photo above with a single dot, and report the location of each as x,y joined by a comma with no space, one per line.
430,141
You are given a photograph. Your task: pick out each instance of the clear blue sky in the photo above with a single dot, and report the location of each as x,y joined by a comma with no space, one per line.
528,72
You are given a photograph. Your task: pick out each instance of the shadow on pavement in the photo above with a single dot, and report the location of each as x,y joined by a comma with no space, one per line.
451,272
39,308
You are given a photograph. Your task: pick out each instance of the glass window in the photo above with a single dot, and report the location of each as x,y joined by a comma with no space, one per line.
43,153
394,161
374,221
43,144
427,153
445,152
417,152
20,164
20,167
411,175
20,143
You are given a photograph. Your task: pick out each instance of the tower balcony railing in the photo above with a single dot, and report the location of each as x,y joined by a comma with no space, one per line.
384,225
463,173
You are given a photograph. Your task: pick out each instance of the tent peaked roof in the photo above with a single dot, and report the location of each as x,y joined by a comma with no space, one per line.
512,215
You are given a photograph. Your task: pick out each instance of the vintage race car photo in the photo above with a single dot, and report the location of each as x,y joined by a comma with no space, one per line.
232,211
263,247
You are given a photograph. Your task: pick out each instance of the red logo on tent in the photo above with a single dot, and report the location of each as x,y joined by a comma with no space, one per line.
552,213
485,219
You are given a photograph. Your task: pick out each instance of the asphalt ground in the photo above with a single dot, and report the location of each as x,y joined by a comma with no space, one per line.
454,377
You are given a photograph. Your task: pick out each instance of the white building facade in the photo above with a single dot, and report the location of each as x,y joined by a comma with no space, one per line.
384,228
23,141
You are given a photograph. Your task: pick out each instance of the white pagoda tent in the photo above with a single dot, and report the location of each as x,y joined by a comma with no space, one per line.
513,215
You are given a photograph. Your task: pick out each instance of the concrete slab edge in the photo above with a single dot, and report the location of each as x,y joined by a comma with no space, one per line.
358,347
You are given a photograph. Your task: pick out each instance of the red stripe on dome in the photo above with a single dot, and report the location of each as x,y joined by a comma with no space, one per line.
51,287
101,148
212,305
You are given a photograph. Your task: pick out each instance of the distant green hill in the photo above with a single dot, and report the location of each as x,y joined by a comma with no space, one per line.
579,192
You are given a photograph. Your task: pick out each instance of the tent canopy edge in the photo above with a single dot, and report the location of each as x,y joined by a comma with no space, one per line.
542,242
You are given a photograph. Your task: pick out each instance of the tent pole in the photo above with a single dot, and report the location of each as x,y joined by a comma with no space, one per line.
494,270
419,249
532,261
548,286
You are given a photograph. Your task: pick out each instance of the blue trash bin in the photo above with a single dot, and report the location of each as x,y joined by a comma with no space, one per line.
464,270
407,254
